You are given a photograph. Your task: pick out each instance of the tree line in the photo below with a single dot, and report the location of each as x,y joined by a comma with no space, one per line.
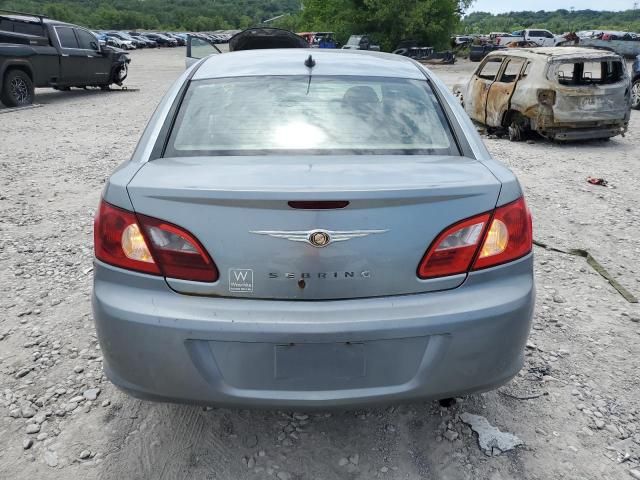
388,21
170,15
429,22
558,21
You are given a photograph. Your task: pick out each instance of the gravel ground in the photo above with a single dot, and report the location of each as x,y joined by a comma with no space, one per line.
575,405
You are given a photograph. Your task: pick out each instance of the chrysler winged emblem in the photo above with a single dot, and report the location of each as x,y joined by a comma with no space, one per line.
318,238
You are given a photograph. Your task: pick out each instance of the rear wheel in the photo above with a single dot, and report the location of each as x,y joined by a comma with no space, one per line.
635,95
17,89
517,126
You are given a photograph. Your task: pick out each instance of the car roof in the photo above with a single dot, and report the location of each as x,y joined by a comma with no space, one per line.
555,53
291,61
38,20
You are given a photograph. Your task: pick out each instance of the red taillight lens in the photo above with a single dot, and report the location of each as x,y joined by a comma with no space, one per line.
114,226
178,253
454,249
489,238
509,237
149,245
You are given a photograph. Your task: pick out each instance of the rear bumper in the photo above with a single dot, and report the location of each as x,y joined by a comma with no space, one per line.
161,345
585,133
585,130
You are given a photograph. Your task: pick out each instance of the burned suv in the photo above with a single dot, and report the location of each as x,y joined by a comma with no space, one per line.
562,93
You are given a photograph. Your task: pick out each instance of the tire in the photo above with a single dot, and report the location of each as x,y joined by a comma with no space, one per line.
635,94
120,74
516,126
17,89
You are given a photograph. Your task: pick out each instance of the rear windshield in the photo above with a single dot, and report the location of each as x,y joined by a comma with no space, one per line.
588,73
312,115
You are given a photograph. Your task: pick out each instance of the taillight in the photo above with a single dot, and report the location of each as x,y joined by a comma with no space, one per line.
509,237
117,240
454,249
483,241
149,245
178,253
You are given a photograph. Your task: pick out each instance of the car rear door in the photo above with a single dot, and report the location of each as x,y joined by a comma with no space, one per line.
73,59
501,91
478,89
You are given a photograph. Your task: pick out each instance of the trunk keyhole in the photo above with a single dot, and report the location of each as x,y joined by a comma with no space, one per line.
302,283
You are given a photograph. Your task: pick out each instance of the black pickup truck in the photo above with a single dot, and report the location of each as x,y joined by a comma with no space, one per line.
39,52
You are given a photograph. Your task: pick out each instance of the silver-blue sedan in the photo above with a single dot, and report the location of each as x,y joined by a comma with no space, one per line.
311,232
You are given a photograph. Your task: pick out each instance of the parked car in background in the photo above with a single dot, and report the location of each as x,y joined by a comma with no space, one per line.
361,42
161,40
221,280
128,38
461,40
626,44
117,42
478,52
180,41
562,93
542,38
102,38
635,86
36,51
319,39
147,41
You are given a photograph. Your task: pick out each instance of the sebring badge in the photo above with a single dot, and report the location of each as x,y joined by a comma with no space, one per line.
318,238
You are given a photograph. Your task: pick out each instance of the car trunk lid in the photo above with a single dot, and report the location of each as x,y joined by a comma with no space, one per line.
240,208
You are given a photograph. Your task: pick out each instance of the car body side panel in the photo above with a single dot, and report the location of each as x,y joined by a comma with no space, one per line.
476,100
498,102
40,61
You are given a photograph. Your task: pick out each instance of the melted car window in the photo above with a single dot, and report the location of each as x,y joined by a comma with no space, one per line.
512,70
490,69
317,115
588,73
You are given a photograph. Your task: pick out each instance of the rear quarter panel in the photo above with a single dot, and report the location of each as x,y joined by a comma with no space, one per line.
40,62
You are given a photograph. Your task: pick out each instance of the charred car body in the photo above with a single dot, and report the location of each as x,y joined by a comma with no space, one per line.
564,93
38,52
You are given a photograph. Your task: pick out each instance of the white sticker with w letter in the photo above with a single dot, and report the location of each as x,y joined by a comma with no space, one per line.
240,280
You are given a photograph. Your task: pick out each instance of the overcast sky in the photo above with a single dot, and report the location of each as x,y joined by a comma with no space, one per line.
497,6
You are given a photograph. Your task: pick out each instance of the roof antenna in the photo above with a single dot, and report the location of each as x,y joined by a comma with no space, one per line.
310,62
